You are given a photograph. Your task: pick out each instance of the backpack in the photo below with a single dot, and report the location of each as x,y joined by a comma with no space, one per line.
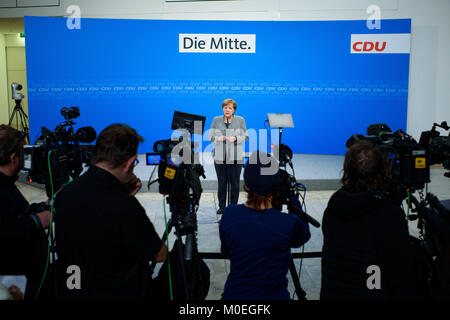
197,277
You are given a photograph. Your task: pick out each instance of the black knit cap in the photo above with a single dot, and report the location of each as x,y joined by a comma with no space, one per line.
259,177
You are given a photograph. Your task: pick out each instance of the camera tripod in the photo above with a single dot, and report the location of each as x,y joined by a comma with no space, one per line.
21,119
188,265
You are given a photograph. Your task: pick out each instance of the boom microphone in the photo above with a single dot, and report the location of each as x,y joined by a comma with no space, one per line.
303,215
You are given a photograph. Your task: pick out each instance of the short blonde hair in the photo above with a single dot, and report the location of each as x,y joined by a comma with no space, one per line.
229,101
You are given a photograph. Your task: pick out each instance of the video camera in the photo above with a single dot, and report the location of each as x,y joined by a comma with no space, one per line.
179,171
437,146
174,174
15,87
61,151
288,187
179,179
409,167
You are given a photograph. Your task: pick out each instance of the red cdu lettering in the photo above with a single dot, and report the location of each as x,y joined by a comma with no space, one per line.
355,48
382,48
368,46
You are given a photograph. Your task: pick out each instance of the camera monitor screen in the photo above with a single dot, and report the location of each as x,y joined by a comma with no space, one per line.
153,159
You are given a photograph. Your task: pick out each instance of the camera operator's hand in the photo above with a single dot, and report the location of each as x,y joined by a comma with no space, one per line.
232,139
44,217
134,185
221,138
138,187
15,292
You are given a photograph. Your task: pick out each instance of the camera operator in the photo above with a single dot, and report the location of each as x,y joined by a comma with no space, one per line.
361,228
257,238
23,242
102,229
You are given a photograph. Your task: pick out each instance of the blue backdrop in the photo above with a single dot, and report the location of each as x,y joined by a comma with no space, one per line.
131,71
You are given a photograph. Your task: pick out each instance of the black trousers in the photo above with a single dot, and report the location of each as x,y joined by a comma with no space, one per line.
228,173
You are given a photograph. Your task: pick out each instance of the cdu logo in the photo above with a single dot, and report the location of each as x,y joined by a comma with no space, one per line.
380,43
369,46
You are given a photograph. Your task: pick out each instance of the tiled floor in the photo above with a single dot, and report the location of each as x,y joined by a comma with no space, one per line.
208,235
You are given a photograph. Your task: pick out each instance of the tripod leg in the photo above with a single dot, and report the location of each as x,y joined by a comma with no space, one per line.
24,123
191,279
298,289
194,270
199,279
181,264
21,120
163,239
12,117
227,166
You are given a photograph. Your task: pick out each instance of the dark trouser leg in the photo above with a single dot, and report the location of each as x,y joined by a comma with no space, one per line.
221,171
234,173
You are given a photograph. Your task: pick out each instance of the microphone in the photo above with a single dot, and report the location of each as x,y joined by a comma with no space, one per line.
285,155
303,215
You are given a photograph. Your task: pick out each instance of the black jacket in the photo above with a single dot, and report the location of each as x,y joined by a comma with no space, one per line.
18,230
23,243
360,230
104,231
